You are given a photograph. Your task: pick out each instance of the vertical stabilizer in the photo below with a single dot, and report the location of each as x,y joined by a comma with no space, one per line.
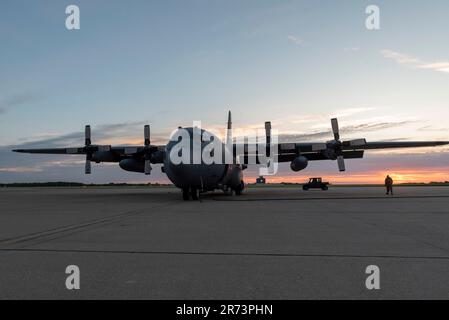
229,129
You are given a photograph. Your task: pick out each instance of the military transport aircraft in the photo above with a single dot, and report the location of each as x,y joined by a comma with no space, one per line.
193,178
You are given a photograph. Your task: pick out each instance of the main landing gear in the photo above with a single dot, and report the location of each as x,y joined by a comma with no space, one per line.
237,190
193,193
190,192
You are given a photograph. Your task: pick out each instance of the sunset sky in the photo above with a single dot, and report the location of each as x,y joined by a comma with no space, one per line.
169,63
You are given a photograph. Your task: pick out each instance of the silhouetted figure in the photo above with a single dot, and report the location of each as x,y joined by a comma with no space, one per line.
389,185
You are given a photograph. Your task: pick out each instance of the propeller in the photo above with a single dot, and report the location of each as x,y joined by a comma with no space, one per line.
334,149
147,150
90,149
89,152
335,129
341,163
268,138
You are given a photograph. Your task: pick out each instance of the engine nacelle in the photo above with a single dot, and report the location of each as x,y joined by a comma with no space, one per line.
103,156
299,163
132,165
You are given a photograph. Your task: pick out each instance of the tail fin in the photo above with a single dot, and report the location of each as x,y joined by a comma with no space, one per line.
229,129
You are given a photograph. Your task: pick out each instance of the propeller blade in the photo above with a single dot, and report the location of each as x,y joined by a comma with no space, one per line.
88,167
341,163
87,140
335,129
146,132
319,147
268,137
148,167
357,142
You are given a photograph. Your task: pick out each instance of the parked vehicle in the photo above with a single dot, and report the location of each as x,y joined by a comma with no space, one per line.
315,183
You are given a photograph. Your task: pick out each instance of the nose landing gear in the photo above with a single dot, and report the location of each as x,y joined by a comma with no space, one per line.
185,194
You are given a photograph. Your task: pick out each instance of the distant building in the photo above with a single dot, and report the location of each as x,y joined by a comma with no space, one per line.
261,180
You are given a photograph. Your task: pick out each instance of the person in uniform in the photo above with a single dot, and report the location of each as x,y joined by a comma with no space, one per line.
389,185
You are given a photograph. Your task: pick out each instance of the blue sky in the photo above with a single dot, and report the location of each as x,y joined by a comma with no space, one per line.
168,63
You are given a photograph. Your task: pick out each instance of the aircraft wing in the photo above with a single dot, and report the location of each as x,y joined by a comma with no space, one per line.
52,151
99,153
104,153
331,150
319,147
335,149
405,144
283,148
121,150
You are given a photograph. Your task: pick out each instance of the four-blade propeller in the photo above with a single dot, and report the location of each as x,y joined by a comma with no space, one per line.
87,147
90,149
147,151
334,148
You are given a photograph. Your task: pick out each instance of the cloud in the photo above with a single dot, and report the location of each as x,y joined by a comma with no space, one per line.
21,169
365,127
346,130
126,133
433,129
349,112
413,62
351,49
295,40
399,57
323,118
15,101
437,66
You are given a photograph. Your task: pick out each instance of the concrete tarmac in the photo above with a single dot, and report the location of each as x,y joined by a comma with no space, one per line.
270,243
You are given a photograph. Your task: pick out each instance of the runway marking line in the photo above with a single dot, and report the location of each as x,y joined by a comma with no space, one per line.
329,198
282,255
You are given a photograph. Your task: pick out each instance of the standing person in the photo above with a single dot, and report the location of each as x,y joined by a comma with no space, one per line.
389,184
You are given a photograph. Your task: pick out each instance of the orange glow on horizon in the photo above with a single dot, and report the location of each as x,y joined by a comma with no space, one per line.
424,175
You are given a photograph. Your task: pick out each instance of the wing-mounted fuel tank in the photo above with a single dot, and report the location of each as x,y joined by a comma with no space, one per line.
132,165
299,163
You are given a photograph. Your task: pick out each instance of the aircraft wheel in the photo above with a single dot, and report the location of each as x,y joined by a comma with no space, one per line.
227,191
239,190
194,193
186,194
